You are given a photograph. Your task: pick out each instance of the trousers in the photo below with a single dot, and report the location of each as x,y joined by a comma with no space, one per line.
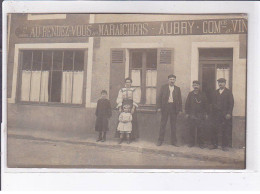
224,127
169,111
196,123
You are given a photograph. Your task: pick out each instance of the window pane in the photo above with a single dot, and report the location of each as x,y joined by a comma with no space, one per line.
25,86
150,96
136,77
77,87
151,78
66,90
79,61
223,71
68,61
138,93
57,60
27,60
136,60
47,60
37,60
35,86
56,86
151,59
44,94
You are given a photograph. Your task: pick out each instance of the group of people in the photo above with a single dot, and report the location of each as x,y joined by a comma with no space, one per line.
169,103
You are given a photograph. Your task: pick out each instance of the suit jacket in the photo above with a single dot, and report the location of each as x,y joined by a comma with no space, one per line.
162,100
223,102
196,103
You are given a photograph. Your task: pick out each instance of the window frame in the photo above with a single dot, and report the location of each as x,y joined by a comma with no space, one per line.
56,104
142,106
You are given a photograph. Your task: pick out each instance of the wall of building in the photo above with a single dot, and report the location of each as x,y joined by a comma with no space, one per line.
182,62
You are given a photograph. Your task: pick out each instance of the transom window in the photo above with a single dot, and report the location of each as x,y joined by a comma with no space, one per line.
143,71
52,76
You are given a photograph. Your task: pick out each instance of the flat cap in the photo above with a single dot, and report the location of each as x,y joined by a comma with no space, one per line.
221,80
196,82
170,76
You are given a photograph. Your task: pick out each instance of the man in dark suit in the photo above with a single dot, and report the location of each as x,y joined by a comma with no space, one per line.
223,103
169,102
196,109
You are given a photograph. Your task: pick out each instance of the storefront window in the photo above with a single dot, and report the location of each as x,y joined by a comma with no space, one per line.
143,69
54,76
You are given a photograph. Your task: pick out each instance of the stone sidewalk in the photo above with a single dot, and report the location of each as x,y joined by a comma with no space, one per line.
231,156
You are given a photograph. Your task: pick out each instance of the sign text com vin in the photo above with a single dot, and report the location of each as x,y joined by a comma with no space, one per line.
157,28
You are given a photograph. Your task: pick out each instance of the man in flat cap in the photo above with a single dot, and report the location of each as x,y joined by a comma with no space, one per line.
196,109
169,102
223,103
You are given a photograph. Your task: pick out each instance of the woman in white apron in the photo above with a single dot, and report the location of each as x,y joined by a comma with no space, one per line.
128,95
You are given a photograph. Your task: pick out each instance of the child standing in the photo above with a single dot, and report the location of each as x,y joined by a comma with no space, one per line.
125,123
103,113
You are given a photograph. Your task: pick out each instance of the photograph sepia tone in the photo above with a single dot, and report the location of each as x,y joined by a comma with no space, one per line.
129,91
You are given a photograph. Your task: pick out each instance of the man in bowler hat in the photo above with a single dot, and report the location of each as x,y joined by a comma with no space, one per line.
169,102
223,103
196,108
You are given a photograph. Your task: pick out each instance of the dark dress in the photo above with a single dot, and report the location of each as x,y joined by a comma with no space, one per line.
103,113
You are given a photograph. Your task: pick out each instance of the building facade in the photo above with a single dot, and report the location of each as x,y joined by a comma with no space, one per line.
57,67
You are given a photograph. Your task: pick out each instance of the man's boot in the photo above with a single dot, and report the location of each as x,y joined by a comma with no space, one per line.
104,137
99,137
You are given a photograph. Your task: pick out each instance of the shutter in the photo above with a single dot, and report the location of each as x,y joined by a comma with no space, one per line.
117,74
164,66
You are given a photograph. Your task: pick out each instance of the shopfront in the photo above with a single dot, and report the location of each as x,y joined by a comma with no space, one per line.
55,76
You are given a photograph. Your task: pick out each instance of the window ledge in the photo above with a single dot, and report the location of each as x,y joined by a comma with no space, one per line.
52,104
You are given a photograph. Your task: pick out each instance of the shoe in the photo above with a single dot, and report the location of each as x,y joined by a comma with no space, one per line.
190,145
159,143
99,139
225,149
201,146
120,141
104,138
213,147
175,144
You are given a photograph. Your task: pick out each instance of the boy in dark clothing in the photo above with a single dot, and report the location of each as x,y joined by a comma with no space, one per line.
103,113
196,113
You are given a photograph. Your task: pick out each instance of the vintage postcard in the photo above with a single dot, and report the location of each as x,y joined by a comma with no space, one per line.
126,91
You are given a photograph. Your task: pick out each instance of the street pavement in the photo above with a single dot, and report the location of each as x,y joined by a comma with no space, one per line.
38,149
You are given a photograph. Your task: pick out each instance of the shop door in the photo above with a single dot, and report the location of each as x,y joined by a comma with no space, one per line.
210,72
215,64
208,80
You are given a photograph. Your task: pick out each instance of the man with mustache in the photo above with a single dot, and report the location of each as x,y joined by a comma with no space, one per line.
196,107
169,102
223,103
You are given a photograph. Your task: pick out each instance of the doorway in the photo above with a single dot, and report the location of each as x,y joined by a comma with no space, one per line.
215,63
